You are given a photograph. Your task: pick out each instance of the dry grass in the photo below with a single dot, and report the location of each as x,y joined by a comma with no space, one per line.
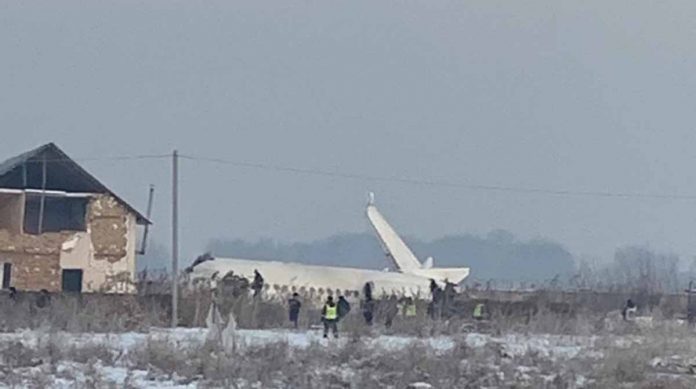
83,313
540,312
627,351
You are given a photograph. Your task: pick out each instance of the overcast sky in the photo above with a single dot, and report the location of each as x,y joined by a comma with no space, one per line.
591,96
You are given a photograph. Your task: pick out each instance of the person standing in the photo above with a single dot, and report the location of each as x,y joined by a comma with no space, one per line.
368,309
329,315
343,307
409,307
435,305
294,306
391,310
44,299
257,284
629,310
13,293
479,311
367,305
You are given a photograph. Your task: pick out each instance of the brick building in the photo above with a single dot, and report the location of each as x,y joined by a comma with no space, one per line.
61,229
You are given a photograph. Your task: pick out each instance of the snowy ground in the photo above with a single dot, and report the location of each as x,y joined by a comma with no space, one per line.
116,360
515,344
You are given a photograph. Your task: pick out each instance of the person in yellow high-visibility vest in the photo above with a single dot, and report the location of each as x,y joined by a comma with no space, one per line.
479,311
329,315
409,307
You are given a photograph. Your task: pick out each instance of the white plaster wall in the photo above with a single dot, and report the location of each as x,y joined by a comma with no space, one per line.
78,253
131,247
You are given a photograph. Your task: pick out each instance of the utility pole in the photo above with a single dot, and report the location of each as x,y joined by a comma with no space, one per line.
175,238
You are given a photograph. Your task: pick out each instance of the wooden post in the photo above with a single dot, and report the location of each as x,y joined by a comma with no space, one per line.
43,195
24,175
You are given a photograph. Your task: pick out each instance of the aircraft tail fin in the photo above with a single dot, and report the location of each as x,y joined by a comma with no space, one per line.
393,245
402,256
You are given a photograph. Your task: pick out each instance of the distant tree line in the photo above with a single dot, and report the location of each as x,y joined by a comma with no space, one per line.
636,269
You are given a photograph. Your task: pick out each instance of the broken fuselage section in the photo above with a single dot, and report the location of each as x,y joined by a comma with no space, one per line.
411,278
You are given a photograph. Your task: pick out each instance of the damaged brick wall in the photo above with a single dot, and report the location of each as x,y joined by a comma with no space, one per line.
36,259
107,220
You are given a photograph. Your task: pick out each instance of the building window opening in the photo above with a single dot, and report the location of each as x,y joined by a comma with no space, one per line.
6,275
72,280
59,214
11,211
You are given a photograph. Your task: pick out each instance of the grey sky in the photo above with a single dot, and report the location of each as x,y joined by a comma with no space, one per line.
592,96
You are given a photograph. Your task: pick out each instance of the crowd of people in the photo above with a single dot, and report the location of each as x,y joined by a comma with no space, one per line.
334,310
439,306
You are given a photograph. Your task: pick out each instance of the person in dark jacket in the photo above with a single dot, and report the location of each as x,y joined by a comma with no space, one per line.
433,286
367,291
44,299
294,306
447,299
257,284
343,307
368,310
329,315
13,293
391,309
629,310
435,305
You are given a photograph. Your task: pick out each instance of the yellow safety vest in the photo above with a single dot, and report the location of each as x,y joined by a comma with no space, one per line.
478,311
410,310
331,312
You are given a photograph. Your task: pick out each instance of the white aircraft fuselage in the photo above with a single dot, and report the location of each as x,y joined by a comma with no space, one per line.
412,278
302,278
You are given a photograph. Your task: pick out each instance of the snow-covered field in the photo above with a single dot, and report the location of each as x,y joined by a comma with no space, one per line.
515,344
183,358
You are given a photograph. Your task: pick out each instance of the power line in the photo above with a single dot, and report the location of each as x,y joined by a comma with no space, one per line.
126,157
440,183
110,158
394,179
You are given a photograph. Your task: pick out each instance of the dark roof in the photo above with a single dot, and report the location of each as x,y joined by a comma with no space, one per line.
63,174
